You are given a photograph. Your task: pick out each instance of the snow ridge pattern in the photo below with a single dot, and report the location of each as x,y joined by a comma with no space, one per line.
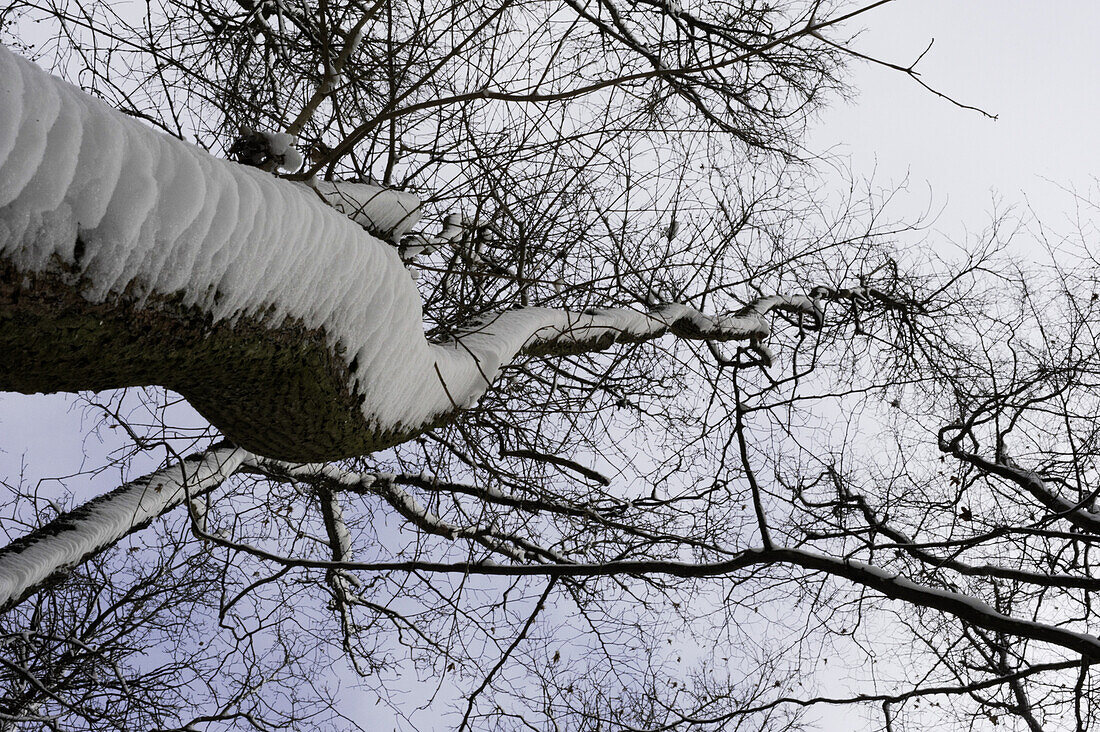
160,216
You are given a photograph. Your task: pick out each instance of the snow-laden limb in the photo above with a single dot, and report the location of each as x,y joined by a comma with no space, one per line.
385,213
1076,513
31,561
477,355
335,526
128,257
131,258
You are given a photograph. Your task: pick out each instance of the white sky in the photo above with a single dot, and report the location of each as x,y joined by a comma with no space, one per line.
1034,64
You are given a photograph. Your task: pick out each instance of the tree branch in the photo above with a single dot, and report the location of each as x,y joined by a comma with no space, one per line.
130,258
34,560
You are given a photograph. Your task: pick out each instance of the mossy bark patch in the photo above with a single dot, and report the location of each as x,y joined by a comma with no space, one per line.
280,392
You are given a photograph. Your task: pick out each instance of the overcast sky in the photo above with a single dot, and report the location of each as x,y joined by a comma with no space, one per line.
1033,64
1036,65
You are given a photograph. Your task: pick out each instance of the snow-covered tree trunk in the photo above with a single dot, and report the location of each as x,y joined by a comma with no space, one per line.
131,258
128,257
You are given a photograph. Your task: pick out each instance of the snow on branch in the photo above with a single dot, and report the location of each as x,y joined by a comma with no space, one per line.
31,561
1077,513
131,258
385,213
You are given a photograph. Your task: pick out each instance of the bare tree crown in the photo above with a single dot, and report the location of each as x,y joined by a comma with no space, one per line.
532,364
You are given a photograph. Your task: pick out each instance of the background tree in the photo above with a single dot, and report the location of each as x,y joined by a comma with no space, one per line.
540,504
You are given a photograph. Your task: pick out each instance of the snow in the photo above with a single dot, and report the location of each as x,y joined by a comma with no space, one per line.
342,551
280,142
26,564
161,217
292,160
969,608
282,148
385,211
